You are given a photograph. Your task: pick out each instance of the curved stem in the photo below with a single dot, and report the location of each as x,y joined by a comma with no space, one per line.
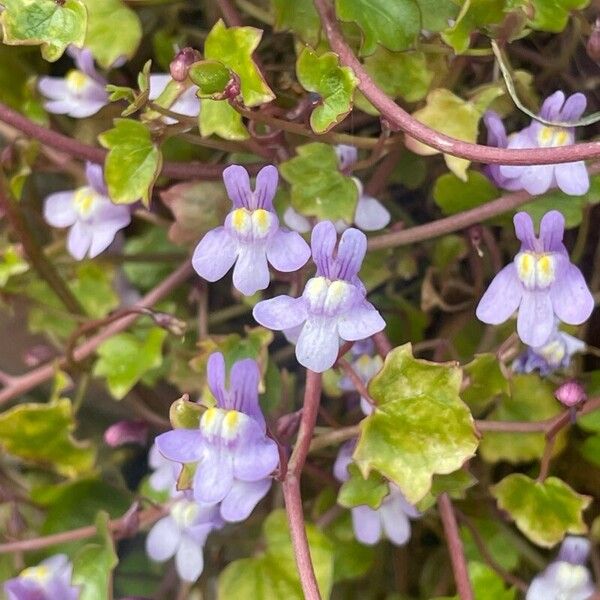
402,120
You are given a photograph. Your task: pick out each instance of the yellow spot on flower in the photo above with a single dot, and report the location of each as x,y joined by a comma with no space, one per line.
545,270
76,80
553,352
40,573
231,423
553,136
241,220
262,220
184,513
535,270
84,200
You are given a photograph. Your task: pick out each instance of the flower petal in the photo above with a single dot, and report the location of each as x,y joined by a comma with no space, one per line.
103,236
371,215
350,254
536,317
243,389
95,177
343,461
54,88
188,103
237,183
552,229
496,133
347,156
572,178
287,251
573,108
79,239
537,179
215,372
181,445
243,498
214,475
256,455
59,209
322,242
366,524
158,82
214,255
572,300
281,312
296,221
395,523
318,344
163,539
524,230
360,323
266,186
502,297
551,108
189,560
251,271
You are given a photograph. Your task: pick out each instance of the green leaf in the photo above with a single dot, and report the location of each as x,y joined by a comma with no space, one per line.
420,427
487,584
272,575
496,539
234,46
300,16
334,84
220,118
394,25
11,263
52,24
126,357
114,30
400,74
360,491
454,484
435,14
590,449
318,188
532,399
211,77
351,558
41,434
94,563
93,287
133,162
485,381
453,194
544,511
553,15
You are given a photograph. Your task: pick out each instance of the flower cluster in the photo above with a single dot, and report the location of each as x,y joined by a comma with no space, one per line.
541,283
89,213
333,306
251,235
571,178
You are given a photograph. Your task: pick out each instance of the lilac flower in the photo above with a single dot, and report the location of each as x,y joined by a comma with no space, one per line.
182,534
50,580
93,219
187,104
571,178
391,519
555,354
567,578
81,93
234,455
333,306
370,214
251,235
541,283
366,366
165,472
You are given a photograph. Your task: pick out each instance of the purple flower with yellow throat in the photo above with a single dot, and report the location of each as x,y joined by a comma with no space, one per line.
233,455
333,307
251,237
572,178
541,283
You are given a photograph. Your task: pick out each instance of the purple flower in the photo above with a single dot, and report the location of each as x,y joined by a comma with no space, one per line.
333,306
251,235
567,577
541,283
370,214
93,219
165,472
81,93
390,520
571,178
187,104
182,534
234,455
50,580
555,354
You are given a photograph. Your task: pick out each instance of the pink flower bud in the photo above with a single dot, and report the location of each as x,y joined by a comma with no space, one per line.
570,393
593,43
181,63
126,432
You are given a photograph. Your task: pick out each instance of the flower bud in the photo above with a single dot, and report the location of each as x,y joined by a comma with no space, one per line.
126,432
593,43
570,393
181,63
170,323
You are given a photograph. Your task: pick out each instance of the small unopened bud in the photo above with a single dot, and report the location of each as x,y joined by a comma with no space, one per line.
126,432
181,63
232,89
170,323
38,354
570,393
593,43
287,425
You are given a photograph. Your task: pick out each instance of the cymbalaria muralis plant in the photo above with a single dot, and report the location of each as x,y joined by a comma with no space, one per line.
298,299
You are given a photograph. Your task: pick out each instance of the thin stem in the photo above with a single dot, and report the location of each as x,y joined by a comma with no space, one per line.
357,382
455,548
382,343
553,431
334,437
402,120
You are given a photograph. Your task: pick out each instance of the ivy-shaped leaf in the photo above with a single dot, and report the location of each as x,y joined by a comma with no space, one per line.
52,24
334,84
133,162
233,46
545,511
125,358
394,25
114,31
553,15
435,14
220,118
300,16
454,484
359,491
272,575
41,434
453,194
487,584
485,381
318,188
420,427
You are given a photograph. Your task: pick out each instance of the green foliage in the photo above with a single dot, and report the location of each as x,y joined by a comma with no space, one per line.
454,484
393,25
359,490
318,187
220,118
544,511
485,381
553,15
272,575
52,24
420,425
41,434
11,264
351,558
211,77
487,584
126,357
497,542
133,162
453,194
114,30
436,13
300,16
334,84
